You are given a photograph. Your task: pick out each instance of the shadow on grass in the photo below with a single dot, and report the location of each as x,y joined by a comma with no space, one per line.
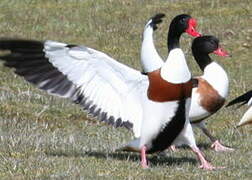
204,146
201,146
154,159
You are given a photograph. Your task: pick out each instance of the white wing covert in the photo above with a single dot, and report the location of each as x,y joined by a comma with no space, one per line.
105,86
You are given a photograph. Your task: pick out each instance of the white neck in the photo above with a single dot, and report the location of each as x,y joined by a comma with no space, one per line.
175,69
150,59
217,77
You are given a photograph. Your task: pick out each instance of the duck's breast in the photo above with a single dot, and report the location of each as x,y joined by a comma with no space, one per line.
205,100
160,90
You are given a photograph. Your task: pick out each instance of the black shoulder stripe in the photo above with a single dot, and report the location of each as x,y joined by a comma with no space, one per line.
171,131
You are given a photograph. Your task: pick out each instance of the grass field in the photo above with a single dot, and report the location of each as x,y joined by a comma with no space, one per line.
45,137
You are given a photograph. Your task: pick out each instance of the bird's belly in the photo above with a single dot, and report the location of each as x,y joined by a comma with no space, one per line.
156,116
170,130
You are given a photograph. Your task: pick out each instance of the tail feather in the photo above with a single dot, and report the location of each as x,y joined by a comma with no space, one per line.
243,99
156,19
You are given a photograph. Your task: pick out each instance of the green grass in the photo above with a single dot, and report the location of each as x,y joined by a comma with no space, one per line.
45,137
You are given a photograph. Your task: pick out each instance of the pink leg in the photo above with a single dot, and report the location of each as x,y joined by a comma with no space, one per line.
143,157
218,147
204,163
173,148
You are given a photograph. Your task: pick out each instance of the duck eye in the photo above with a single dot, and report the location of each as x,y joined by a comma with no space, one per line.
183,20
213,43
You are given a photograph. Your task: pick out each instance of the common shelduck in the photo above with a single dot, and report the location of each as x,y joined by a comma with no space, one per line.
166,120
155,107
243,99
210,94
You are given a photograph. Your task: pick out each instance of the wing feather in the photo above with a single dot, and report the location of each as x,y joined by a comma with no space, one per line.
107,89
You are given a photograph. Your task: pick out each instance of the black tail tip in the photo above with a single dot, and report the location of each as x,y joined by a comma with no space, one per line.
158,16
157,19
243,99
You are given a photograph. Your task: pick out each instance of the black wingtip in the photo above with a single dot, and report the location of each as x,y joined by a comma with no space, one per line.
17,45
156,19
244,98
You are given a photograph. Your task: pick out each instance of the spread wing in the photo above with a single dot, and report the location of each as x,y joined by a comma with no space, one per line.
107,89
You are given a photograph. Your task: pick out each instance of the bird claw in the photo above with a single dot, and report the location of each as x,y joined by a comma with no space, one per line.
207,167
144,166
218,147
